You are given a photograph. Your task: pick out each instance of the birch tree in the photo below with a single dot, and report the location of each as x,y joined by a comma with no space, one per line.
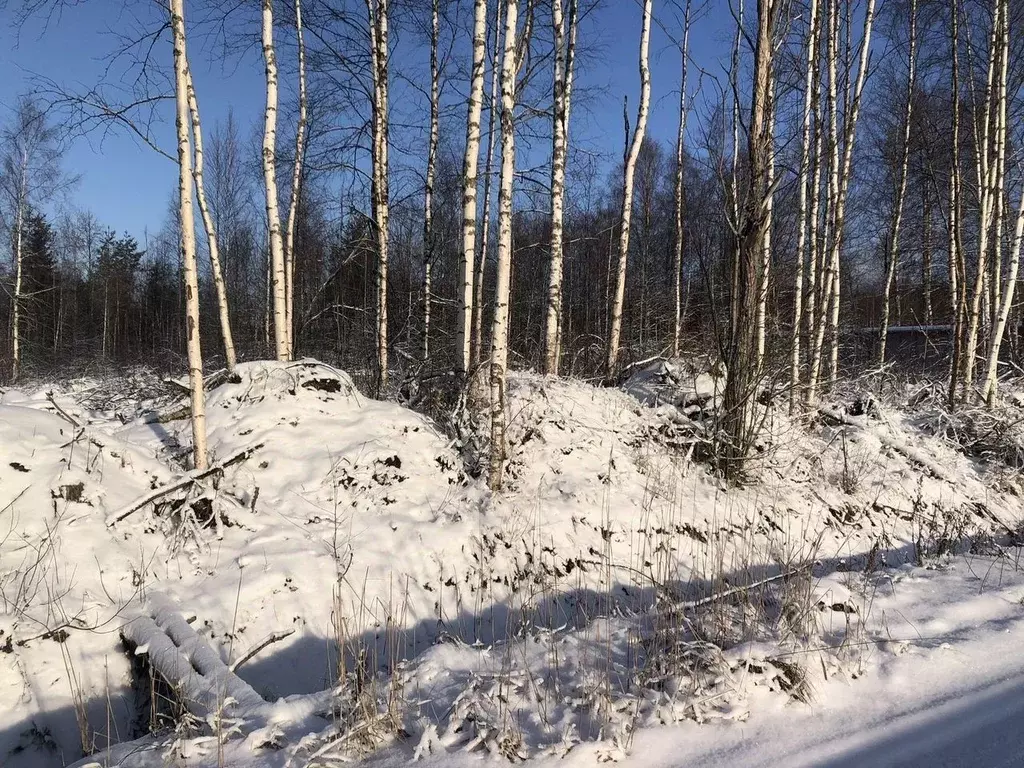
748,255
190,271
1002,294
840,169
986,161
485,228
471,160
297,165
30,176
278,273
629,169
679,189
377,16
805,180
892,256
428,192
761,318
563,72
957,271
499,326
212,240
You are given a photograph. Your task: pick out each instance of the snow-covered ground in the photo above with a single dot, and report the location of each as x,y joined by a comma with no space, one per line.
615,594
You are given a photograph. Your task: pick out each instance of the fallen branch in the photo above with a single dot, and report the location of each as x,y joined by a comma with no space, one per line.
273,637
62,413
690,604
890,442
177,485
210,381
700,602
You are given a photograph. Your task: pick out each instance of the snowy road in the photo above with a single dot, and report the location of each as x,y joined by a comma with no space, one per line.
953,698
980,728
943,689
983,728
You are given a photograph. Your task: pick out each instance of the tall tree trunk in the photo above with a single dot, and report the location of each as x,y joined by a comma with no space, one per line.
839,183
277,265
1002,299
499,328
463,338
679,190
208,224
810,88
190,269
994,92
1003,311
766,245
377,15
293,207
485,228
741,356
19,260
957,271
825,278
815,228
892,257
428,193
563,68
926,255
612,363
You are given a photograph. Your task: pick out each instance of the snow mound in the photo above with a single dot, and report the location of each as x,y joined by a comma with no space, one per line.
63,582
327,451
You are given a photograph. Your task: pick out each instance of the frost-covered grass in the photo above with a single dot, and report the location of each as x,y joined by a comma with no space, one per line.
382,605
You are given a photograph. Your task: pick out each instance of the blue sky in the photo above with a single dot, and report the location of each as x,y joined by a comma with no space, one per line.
127,185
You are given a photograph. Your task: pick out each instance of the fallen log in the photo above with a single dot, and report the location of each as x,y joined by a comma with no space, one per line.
202,682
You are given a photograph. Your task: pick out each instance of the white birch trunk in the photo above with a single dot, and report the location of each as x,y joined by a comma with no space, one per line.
377,16
428,192
499,328
986,175
766,256
612,363
1006,303
277,265
957,273
563,66
851,116
679,190
839,187
810,85
463,338
211,229
18,272
293,207
476,346
1002,299
825,281
190,269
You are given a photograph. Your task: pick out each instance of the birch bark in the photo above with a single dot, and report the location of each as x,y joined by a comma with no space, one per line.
612,363
190,271
499,328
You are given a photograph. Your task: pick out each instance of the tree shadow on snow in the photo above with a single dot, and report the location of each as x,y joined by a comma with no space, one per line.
306,663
